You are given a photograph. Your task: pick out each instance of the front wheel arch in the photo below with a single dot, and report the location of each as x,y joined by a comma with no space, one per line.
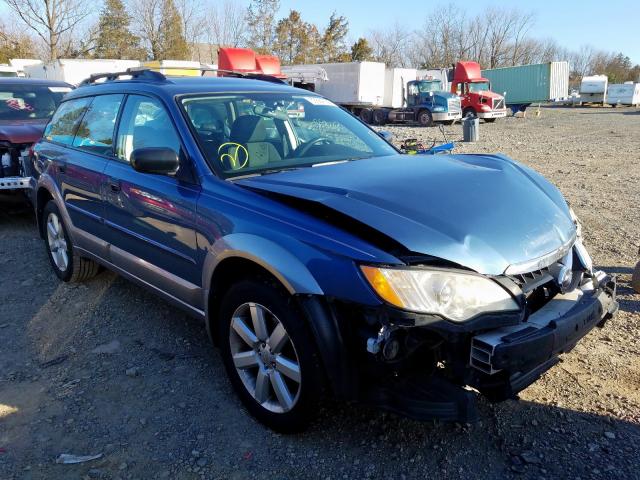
317,314
228,272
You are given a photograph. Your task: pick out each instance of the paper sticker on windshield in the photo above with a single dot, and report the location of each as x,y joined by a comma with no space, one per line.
59,89
319,101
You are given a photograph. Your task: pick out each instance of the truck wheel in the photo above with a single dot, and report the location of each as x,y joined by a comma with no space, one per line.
269,355
67,264
469,113
365,115
379,117
425,119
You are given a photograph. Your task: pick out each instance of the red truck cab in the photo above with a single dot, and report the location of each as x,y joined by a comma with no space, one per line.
475,93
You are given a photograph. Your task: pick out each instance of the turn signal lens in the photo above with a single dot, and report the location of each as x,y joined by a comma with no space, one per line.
381,285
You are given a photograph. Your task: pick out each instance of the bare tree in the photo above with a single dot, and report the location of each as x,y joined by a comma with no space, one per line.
51,20
226,24
146,15
390,45
443,38
194,22
581,60
522,23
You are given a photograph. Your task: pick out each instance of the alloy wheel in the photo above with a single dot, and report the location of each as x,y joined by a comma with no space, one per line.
265,358
57,242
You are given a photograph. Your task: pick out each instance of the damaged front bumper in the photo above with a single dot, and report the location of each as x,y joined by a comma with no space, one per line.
512,358
499,362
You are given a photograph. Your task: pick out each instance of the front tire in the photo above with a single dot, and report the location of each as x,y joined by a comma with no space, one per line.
66,263
270,356
425,119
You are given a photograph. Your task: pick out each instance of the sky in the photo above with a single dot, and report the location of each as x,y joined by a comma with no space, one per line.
610,25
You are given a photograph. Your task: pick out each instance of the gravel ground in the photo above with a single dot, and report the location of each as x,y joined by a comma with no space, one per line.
107,368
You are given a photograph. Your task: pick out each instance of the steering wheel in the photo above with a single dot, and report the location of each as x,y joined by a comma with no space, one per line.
304,148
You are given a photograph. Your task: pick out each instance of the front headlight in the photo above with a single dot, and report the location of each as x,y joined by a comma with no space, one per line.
455,296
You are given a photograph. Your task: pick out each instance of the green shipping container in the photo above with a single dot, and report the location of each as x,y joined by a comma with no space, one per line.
525,84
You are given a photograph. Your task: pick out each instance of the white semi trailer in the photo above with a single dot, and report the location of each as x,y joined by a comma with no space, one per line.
74,71
380,95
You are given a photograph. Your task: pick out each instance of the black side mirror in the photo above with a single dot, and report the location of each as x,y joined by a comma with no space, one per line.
160,160
388,136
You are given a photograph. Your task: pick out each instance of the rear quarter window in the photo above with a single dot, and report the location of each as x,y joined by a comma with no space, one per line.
63,125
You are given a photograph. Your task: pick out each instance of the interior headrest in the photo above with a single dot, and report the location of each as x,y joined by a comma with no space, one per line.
249,128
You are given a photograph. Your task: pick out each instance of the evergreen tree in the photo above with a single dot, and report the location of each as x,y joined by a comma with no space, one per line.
173,44
15,45
333,47
261,25
114,38
296,40
361,51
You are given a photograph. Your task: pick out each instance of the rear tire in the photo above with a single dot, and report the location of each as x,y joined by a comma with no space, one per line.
66,263
379,117
425,119
366,115
280,383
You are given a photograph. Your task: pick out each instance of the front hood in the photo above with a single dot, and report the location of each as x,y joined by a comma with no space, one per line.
22,131
484,212
445,95
489,94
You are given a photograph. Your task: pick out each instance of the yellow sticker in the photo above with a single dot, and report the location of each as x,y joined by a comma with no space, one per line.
237,155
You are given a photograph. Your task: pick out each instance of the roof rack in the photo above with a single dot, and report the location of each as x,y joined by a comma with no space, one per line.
150,74
138,73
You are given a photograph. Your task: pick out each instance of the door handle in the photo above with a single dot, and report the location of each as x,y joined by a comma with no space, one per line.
115,187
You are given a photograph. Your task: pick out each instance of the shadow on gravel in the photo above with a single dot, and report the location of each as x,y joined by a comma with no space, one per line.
106,367
511,438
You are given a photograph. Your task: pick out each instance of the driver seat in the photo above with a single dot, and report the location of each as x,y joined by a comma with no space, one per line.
250,131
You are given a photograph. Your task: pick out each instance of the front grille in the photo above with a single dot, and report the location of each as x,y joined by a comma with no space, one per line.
531,280
498,103
538,286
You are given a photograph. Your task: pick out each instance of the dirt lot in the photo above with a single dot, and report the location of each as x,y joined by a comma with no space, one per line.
106,368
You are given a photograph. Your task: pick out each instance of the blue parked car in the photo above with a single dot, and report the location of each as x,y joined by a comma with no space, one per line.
322,260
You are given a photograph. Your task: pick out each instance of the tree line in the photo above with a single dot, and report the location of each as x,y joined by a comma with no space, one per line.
193,29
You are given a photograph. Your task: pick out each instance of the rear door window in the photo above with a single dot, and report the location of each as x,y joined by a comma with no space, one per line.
95,132
63,125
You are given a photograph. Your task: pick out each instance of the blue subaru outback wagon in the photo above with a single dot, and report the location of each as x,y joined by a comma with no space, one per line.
322,260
